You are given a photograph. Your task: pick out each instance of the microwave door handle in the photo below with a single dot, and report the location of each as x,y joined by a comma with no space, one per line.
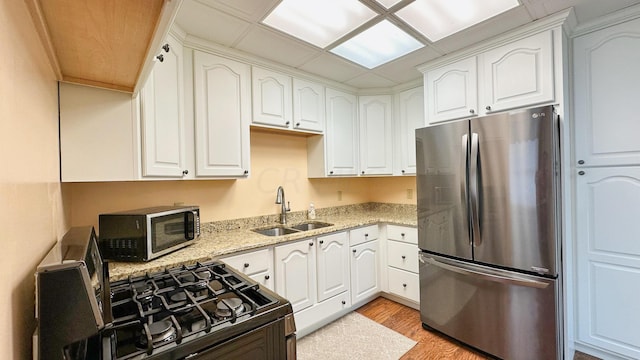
190,225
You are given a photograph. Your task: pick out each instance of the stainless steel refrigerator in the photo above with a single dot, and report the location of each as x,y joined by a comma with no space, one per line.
489,232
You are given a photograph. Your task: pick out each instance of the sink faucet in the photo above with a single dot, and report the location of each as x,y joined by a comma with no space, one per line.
284,208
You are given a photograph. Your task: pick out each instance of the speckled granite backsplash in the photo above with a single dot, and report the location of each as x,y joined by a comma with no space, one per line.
300,216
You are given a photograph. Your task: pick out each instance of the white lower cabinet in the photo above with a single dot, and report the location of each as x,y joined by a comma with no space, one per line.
296,273
258,265
402,262
365,263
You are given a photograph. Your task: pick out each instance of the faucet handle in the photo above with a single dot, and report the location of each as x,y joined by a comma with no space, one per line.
288,206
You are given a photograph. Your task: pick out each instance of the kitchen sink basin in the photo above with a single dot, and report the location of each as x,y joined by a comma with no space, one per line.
280,230
311,225
276,231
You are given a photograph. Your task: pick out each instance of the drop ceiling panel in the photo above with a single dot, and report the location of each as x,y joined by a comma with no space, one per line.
251,10
370,80
404,69
208,23
332,67
270,45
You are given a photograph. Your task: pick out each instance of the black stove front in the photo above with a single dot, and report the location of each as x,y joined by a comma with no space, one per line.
197,311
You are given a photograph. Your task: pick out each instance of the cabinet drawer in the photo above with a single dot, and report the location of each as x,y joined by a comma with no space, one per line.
404,283
402,255
306,318
402,233
363,234
251,263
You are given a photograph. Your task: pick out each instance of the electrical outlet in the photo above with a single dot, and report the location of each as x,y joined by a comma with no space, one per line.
409,194
339,195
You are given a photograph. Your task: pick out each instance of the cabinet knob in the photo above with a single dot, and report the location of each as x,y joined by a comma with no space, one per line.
488,107
246,265
266,277
403,257
321,242
403,171
581,172
166,47
160,58
246,172
404,285
185,172
311,243
297,124
581,162
366,235
363,172
354,251
331,172
287,123
471,111
402,234
343,302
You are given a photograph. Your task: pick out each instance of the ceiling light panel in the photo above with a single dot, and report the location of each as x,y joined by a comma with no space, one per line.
319,22
437,19
377,45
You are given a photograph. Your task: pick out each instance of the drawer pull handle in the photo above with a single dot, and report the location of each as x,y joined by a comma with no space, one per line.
246,265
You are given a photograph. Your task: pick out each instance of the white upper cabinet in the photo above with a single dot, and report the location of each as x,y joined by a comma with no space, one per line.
162,115
376,135
222,94
410,117
519,74
308,106
271,98
341,138
452,91
606,87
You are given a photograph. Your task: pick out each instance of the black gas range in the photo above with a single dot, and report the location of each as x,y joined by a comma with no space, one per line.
202,311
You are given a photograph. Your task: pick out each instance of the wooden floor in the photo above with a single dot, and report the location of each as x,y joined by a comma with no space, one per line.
407,322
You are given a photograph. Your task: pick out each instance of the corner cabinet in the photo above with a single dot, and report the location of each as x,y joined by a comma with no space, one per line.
376,135
517,74
222,99
162,115
341,138
410,110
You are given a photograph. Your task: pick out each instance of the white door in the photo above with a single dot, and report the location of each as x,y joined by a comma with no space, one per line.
342,133
452,91
308,106
162,115
365,276
519,74
222,110
606,88
271,98
411,117
608,259
332,265
296,273
376,135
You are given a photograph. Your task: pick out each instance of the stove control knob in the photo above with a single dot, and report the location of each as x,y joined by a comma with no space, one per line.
246,265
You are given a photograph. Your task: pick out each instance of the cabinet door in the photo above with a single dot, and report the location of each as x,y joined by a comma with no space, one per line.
411,117
519,74
271,98
296,273
606,94
365,270
222,110
162,115
608,259
332,265
258,265
376,135
342,133
452,91
308,106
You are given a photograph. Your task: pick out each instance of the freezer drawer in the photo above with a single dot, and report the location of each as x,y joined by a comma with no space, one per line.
509,315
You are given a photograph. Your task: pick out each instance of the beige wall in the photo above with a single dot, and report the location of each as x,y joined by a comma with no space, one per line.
31,201
276,159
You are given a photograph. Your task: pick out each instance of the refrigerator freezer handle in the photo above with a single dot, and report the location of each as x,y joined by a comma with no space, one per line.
463,170
505,279
474,190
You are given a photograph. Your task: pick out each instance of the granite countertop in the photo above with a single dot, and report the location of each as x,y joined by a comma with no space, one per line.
223,238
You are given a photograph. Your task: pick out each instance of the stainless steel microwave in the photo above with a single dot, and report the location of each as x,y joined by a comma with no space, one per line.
145,234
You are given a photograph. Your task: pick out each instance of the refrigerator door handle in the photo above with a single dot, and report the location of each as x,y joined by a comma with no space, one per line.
505,279
463,170
474,190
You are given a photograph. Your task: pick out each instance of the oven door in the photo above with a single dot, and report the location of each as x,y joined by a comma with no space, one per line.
264,343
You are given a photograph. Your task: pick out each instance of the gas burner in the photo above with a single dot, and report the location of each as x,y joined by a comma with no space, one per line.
216,285
144,292
161,332
227,307
204,275
178,297
195,282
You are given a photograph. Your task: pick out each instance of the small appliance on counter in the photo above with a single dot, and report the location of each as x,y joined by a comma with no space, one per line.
203,311
145,234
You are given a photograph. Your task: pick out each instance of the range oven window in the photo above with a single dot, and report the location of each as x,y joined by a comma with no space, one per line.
170,230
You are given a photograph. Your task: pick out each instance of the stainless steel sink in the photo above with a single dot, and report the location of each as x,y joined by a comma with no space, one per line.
280,230
311,225
276,231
